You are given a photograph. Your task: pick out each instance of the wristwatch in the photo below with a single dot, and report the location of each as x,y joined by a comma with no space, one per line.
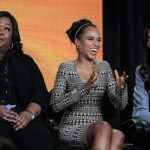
31,113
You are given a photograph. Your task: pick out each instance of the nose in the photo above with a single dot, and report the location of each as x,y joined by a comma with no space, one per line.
96,43
1,31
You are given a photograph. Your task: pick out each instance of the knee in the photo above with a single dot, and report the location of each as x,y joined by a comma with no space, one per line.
117,134
98,131
102,127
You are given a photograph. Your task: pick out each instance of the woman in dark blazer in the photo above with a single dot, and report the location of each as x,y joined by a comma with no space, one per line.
23,93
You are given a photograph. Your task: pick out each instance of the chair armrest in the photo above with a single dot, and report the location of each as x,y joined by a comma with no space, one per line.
146,127
133,130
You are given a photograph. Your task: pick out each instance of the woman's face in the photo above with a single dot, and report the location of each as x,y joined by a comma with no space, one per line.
6,31
148,39
89,43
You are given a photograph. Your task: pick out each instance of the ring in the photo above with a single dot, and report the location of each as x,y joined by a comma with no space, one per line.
8,106
4,118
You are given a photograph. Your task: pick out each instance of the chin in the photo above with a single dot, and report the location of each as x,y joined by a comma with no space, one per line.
91,59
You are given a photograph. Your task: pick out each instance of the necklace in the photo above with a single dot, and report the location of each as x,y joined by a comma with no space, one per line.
4,83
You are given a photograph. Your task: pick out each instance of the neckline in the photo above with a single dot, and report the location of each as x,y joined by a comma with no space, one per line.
75,68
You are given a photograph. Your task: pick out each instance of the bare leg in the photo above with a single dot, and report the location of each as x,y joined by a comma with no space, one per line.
99,135
117,140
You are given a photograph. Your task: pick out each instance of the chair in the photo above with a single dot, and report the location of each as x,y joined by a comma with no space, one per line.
138,133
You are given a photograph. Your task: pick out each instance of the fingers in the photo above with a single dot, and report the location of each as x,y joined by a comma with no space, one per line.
126,77
13,106
20,124
116,73
123,76
94,75
22,121
121,80
10,119
8,115
92,80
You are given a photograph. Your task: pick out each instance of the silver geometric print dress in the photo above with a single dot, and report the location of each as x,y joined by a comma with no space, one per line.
81,107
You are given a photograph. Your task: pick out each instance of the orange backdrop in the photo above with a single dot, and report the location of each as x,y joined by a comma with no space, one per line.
42,25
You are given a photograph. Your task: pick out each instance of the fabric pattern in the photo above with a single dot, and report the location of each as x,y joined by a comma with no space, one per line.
82,107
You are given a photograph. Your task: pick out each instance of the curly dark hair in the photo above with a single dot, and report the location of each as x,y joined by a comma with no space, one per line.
145,68
77,28
17,45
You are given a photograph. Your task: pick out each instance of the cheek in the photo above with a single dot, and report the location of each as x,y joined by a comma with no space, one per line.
87,44
9,38
148,43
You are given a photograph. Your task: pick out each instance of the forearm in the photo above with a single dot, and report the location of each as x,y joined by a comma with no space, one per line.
119,98
142,116
34,108
65,100
122,96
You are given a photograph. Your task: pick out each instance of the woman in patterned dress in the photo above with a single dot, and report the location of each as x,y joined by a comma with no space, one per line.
79,89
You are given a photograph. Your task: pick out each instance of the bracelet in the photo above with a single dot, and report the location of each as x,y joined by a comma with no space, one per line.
31,113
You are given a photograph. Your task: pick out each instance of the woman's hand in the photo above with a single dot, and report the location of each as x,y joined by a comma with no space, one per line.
92,80
23,120
121,80
8,115
24,117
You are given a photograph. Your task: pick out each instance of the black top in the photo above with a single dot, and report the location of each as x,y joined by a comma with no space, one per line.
26,83
3,82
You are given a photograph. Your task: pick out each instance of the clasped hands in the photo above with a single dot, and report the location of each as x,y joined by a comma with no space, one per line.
120,80
18,121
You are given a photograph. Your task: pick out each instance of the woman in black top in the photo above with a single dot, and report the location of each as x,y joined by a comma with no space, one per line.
23,94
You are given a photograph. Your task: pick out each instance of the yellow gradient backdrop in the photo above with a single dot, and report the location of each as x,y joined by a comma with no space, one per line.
42,25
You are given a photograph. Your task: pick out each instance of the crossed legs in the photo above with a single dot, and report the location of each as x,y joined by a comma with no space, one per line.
100,136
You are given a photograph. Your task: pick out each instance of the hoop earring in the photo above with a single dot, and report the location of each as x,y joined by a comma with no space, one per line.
77,47
11,46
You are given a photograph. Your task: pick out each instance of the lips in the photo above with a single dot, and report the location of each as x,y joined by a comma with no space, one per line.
2,39
94,50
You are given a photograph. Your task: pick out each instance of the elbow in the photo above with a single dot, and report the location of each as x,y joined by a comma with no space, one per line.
55,108
121,106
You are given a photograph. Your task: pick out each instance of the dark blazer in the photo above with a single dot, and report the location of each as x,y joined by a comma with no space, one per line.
30,83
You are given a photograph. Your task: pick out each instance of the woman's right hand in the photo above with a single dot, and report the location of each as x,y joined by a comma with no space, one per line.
8,115
92,80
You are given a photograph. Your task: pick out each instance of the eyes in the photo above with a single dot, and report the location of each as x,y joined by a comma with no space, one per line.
5,29
93,39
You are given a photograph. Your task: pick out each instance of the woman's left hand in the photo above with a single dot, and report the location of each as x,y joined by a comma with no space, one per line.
23,120
121,80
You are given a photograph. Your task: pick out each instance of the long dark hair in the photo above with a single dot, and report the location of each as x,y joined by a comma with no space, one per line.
17,45
145,68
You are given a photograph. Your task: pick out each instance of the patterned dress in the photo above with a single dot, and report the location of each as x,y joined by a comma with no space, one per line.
82,107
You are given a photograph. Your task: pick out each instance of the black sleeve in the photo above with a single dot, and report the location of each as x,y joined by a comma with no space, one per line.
39,90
